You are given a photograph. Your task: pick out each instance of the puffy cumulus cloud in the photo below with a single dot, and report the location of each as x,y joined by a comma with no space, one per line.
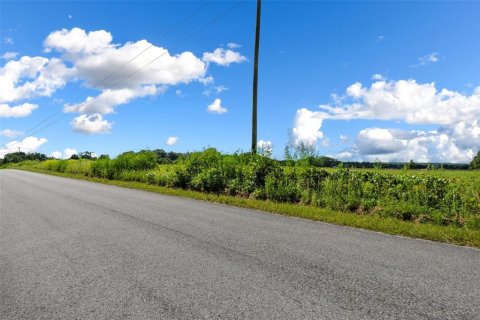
91,124
345,155
109,67
109,98
465,134
8,133
223,57
66,154
408,101
29,144
78,41
171,141
457,116
95,57
19,111
30,77
378,141
216,107
306,127
420,146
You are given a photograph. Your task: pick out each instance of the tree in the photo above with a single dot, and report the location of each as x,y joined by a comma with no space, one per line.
16,157
475,164
87,155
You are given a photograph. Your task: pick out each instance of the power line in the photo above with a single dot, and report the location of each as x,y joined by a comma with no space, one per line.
141,68
167,33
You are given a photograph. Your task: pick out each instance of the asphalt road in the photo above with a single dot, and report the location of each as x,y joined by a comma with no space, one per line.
72,249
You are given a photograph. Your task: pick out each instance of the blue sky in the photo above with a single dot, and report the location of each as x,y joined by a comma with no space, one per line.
356,80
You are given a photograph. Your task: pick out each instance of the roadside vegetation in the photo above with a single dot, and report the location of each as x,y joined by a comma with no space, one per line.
436,204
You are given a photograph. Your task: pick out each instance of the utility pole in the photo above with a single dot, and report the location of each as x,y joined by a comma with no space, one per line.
255,79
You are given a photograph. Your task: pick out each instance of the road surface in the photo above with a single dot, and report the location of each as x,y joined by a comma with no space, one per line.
73,249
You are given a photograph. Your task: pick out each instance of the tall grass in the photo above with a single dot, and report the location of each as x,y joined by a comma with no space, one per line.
416,196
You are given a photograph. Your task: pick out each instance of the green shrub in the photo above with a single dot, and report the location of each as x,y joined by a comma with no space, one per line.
407,195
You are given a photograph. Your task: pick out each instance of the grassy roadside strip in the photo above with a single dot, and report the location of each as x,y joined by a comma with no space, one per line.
447,234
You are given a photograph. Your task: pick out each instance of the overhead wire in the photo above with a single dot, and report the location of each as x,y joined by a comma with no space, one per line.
176,27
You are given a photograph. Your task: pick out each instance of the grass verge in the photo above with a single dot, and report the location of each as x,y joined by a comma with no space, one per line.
447,234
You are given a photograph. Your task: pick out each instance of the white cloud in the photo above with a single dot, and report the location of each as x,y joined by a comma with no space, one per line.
223,57
91,58
206,80
8,133
77,41
110,98
378,141
91,124
94,56
420,146
427,59
66,154
179,93
233,45
171,141
31,77
8,40
265,146
326,143
22,110
457,116
343,138
218,89
216,107
377,76
56,155
408,101
306,127
29,144
9,55
344,156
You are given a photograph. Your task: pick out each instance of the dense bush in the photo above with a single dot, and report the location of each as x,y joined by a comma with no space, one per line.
406,195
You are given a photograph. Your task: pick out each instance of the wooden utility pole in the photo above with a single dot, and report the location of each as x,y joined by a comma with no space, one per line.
255,79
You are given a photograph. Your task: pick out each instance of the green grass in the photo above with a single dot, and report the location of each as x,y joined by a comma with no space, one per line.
447,234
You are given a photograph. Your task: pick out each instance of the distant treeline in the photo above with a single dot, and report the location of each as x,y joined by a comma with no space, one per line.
164,157
407,165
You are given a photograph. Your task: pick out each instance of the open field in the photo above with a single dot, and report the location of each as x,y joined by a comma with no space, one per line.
440,205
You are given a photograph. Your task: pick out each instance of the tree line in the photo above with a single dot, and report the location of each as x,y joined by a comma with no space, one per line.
308,156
